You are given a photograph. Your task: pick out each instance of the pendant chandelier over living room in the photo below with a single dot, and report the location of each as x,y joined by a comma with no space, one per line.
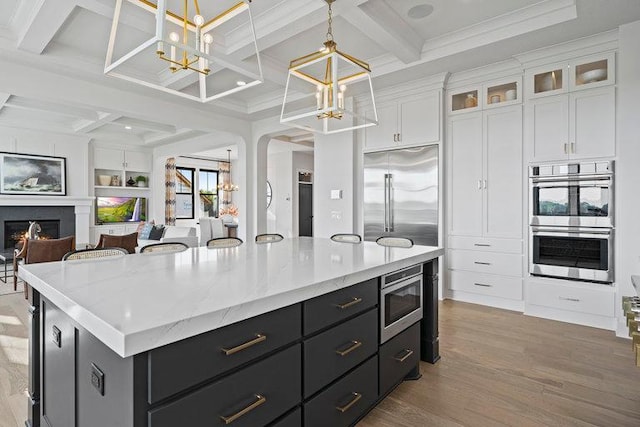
189,54
317,87
228,185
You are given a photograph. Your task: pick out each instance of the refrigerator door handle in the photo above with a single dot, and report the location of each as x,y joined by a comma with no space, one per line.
386,203
391,221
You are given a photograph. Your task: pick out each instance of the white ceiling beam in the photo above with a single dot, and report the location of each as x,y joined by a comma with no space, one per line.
85,126
180,135
381,23
43,25
50,107
147,125
4,97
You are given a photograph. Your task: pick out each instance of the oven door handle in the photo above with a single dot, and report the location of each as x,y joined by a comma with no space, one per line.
402,284
572,180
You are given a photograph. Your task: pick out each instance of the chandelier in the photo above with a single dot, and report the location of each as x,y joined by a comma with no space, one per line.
317,87
228,186
192,47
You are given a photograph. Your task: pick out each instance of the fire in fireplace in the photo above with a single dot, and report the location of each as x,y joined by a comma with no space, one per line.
15,231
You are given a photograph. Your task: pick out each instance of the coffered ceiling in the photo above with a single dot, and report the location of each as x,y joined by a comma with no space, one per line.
401,39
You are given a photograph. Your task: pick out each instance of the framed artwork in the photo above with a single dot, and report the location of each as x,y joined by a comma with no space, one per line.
26,174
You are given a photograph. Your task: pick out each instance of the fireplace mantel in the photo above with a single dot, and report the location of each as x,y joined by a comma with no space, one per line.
82,209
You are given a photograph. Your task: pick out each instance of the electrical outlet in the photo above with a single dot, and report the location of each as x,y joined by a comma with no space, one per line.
56,336
97,379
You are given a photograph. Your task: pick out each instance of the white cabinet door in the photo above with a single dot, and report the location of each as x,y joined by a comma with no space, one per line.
108,158
546,128
503,172
137,161
465,152
420,119
383,135
592,123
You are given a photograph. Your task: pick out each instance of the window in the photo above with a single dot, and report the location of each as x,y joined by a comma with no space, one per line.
208,181
184,192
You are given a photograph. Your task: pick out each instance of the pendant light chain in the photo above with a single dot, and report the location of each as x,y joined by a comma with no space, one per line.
330,21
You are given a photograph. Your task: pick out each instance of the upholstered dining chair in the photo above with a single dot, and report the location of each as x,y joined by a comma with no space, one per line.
224,242
395,242
124,241
37,251
165,248
94,253
269,238
346,238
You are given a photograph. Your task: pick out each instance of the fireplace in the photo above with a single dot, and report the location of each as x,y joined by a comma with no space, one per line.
55,222
14,231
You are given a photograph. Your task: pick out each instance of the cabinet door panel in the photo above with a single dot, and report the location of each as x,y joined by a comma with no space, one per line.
465,145
382,135
108,158
593,123
420,119
138,161
503,172
546,128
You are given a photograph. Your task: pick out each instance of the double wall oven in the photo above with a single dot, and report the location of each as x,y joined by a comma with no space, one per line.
571,221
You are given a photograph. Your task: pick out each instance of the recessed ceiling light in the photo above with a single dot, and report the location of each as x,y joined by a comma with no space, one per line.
420,11
241,83
128,127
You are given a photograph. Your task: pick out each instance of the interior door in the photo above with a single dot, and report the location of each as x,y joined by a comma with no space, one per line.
305,210
376,166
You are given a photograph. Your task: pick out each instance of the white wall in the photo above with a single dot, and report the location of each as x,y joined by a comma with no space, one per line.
628,166
334,169
280,213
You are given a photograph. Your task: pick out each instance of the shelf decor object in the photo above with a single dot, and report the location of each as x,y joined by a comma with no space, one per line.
317,87
25,174
191,62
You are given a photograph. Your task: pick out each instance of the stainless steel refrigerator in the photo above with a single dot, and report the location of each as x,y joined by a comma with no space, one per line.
401,194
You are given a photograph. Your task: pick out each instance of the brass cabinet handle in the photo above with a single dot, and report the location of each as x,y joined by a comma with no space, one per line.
353,302
355,344
254,405
407,354
258,339
345,408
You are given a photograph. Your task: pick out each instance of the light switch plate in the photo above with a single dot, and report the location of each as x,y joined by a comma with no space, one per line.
336,194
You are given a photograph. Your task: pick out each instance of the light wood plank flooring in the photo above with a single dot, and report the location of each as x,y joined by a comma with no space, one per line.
498,368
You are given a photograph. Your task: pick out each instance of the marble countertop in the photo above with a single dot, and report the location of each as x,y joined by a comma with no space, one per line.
140,302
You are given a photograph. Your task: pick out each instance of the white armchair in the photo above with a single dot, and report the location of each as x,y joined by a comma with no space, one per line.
210,228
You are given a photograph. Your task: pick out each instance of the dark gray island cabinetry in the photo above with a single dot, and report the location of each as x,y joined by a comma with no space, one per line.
317,361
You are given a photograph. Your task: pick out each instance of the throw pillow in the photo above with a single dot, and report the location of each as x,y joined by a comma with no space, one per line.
144,232
156,232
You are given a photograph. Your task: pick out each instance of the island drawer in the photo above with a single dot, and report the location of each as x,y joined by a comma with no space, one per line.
177,366
398,357
293,419
332,308
339,349
254,396
346,400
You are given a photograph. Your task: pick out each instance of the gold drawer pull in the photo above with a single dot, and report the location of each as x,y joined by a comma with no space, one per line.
350,303
345,408
407,354
254,405
355,344
258,339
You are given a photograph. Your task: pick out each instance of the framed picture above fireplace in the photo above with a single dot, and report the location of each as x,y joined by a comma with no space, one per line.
31,175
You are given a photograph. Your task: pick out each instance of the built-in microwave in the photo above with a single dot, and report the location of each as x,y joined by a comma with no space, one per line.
572,194
400,301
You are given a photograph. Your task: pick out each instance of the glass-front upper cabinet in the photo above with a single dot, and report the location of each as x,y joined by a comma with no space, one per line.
581,73
464,100
502,92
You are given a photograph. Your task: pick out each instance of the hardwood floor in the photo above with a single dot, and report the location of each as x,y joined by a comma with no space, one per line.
497,368
503,368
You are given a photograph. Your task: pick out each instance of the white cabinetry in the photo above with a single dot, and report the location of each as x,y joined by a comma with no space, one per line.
124,164
577,125
412,120
485,203
116,229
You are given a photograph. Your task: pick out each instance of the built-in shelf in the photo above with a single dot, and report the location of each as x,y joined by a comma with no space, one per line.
120,187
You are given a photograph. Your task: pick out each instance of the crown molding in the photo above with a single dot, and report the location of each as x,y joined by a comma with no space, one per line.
497,70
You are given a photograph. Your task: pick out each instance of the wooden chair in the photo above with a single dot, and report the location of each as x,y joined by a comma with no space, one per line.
224,242
37,251
165,248
124,241
346,238
269,238
395,242
93,253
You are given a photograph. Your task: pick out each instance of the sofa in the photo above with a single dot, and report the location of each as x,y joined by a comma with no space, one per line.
172,234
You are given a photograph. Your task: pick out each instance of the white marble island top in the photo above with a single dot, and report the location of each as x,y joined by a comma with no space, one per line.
140,302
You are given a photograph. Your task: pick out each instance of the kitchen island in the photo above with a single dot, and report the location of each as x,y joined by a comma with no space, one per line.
242,336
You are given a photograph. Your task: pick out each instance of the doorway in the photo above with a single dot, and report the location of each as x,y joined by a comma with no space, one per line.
305,209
